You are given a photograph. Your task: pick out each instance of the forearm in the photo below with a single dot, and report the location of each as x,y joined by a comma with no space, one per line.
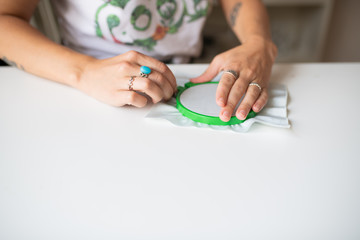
26,48
248,19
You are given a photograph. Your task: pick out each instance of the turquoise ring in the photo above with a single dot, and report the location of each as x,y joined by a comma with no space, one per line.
144,71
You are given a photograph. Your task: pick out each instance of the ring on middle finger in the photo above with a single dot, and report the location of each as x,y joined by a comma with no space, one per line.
232,73
255,84
144,71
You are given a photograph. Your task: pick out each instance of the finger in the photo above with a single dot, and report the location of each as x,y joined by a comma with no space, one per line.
153,64
164,70
163,83
210,72
261,101
143,85
236,93
131,69
223,89
150,88
252,94
156,77
129,98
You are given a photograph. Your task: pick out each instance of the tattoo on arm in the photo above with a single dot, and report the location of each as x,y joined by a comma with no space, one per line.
12,63
234,14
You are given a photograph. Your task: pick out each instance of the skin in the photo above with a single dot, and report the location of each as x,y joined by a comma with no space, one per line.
252,60
107,80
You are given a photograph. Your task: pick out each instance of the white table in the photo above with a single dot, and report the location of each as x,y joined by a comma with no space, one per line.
74,168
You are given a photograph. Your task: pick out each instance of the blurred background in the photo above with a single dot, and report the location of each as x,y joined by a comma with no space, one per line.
303,30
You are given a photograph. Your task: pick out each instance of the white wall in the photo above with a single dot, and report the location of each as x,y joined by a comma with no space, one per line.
343,41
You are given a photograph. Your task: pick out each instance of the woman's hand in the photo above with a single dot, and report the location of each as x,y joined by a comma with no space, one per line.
108,80
252,61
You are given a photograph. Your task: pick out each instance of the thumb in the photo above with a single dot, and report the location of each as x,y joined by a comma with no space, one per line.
209,73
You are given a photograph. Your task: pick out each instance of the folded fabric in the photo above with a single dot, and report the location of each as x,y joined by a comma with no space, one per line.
273,114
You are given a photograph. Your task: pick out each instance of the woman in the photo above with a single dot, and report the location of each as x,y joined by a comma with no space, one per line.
106,43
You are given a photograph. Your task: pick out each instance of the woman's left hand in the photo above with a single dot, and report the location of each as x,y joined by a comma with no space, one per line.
252,62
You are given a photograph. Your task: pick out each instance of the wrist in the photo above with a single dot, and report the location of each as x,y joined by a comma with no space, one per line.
77,73
264,43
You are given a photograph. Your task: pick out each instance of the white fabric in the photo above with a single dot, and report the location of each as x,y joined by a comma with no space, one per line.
274,113
161,29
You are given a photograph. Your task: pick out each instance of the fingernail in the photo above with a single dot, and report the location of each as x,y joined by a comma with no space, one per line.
259,108
242,114
226,114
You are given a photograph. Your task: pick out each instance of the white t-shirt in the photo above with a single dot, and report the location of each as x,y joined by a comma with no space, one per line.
162,29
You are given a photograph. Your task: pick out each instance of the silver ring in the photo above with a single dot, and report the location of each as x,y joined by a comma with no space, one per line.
144,75
232,73
131,83
255,84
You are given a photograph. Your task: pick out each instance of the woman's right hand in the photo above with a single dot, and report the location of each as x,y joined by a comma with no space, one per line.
108,80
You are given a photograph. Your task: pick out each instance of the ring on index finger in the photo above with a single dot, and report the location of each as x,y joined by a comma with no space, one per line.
232,73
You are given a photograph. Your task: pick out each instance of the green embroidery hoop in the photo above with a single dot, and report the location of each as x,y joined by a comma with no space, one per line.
197,117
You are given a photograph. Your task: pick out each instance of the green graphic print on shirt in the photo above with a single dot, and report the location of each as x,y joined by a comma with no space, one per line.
141,18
